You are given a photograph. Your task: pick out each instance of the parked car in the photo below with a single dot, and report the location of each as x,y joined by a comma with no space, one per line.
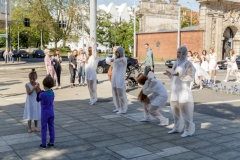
15,53
169,63
38,54
223,64
1,55
23,54
103,66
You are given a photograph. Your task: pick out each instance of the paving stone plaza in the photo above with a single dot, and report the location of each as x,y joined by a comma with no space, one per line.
94,132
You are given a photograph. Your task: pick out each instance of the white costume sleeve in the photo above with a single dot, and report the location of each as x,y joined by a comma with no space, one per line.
188,74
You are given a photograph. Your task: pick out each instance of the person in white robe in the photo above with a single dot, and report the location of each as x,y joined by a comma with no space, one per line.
118,81
181,99
154,96
90,70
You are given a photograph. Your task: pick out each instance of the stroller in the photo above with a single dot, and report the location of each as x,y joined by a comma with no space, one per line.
131,74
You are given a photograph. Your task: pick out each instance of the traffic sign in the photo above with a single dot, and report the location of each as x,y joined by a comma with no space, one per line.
2,35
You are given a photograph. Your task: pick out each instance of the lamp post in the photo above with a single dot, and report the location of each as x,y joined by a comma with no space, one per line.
179,26
93,19
18,39
191,12
134,34
41,39
6,23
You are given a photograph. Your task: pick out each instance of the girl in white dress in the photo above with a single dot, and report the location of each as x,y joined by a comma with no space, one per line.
213,64
181,98
232,65
118,81
154,96
190,57
90,70
32,110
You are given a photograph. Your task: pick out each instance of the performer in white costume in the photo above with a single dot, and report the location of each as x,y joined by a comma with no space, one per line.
213,64
154,96
232,65
90,70
181,99
118,81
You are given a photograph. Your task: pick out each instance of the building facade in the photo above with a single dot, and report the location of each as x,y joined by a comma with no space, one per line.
2,13
220,19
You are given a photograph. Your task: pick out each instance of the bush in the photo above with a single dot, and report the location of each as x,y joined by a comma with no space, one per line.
62,49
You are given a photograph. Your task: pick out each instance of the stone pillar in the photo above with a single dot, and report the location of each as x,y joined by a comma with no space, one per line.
208,32
219,35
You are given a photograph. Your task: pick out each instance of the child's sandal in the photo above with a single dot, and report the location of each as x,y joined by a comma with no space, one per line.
29,131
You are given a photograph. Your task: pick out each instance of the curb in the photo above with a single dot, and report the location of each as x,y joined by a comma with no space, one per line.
27,67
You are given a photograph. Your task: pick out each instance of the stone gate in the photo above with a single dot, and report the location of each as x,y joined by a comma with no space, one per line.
220,19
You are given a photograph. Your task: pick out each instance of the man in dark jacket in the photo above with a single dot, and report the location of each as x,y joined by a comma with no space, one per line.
149,63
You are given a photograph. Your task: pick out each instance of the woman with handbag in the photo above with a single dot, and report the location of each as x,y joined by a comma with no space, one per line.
57,66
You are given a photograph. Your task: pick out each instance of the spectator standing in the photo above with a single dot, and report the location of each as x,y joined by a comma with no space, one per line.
149,63
57,59
81,59
49,64
10,55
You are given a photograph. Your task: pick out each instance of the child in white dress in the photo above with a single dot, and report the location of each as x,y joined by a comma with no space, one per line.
32,110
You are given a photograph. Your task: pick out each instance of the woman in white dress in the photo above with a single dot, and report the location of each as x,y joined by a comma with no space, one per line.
32,109
205,60
200,72
190,57
90,70
118,81
213,64
181,98
232,65
154,96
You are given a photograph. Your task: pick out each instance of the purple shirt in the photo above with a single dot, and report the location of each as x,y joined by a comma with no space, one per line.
47,98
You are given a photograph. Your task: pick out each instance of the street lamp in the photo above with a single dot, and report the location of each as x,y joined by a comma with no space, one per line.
134,34
6,23
179,26
191,12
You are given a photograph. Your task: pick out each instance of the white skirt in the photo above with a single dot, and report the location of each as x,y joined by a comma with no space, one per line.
232,66
205,66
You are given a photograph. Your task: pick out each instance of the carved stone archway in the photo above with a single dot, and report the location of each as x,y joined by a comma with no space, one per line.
221,22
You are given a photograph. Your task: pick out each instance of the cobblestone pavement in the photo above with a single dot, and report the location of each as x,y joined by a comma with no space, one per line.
94,132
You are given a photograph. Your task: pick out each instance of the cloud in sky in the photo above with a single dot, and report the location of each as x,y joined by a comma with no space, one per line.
193,4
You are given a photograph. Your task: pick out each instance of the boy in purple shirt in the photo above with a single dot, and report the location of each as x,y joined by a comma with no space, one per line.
46,99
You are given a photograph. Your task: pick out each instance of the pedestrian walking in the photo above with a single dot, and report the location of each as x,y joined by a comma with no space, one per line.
57,59
181,98
232,66
32,110
118,81
154,96
149,63
46,98
90,70
213,65
81,59
73,67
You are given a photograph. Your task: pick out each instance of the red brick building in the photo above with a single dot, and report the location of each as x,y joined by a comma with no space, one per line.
164,43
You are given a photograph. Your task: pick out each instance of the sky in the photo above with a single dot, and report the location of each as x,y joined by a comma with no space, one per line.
193,3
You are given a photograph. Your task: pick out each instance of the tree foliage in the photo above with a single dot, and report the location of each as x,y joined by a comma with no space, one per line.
186,18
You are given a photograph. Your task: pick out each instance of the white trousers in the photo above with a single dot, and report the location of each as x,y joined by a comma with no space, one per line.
153,111
120,99
92,87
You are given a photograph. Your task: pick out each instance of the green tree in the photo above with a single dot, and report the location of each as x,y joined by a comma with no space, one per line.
186,18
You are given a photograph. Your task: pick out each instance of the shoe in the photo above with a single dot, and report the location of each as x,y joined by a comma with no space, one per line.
115,110
201,88
80,85
145,120
59,87
120,112
236,82
50,144
173,131
164,123
224,80
42,146
184,135
83,84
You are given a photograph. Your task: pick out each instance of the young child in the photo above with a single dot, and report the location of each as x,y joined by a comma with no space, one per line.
32,110
153,96
47,112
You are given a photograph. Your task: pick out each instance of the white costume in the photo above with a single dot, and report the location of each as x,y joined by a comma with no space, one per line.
118,82
232,65
32,110
205,65
213,62
181,99
158,96
91,75
200,72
